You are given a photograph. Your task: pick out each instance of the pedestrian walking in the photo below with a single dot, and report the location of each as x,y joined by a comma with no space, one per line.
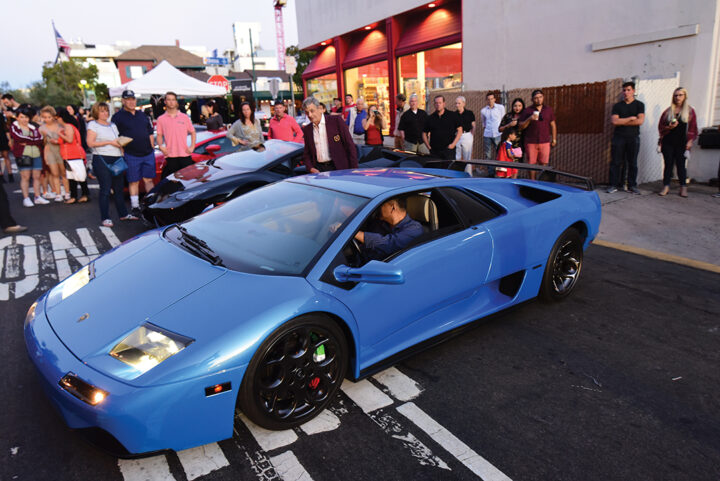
107,151
627,117
491,116
139,154
373,125
7,223
246,131
50,130
173,127
283,126
358,117
411,126
328,143
27,142
678,129
401,106
442,131
73,153
539,131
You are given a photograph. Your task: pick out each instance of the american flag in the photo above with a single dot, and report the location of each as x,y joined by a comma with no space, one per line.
62,45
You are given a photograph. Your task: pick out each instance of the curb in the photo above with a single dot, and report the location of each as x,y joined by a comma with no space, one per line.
706,266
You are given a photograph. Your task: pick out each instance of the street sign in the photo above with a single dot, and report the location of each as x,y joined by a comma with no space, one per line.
220,81
215,61
290,64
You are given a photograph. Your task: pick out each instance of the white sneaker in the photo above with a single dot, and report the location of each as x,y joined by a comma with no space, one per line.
107,223
49,195
41,200
27,202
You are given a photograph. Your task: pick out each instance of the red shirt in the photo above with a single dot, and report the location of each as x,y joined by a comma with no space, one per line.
347,110
285,129
538,131
373,136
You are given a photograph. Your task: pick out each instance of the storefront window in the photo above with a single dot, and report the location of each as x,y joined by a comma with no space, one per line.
370,82
323,88
424,73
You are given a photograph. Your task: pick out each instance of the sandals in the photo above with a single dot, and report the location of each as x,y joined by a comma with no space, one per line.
71,200
129,217
664,191
83,199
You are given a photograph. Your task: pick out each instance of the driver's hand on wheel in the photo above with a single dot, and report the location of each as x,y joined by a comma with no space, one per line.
360,237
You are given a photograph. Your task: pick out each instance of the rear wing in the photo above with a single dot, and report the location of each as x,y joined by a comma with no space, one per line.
547,172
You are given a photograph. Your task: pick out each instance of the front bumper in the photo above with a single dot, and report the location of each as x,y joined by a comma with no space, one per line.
142,419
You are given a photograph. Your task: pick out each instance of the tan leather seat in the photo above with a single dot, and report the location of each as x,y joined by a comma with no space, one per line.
422,209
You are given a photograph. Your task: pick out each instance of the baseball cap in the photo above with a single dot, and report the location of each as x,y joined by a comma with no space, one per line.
128,94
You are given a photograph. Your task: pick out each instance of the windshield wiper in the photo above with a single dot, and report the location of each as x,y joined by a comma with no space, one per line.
198,245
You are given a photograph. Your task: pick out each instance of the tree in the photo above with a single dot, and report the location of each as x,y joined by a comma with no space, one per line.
61,83
303,58
102,94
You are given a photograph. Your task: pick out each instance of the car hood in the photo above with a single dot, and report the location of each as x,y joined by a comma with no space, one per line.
131,284
200,174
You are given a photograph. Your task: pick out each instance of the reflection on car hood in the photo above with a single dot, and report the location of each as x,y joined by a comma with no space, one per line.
125,294
198,175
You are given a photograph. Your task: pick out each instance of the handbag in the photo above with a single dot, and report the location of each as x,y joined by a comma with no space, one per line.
115,168
75,170
24,161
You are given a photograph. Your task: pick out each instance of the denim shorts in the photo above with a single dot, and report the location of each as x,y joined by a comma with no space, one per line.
36,164
140,167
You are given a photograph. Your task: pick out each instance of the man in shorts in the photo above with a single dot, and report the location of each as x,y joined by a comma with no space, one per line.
540,131
140,153
173,127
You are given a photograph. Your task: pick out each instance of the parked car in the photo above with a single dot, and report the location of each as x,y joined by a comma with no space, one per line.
190,191
261,305
208,145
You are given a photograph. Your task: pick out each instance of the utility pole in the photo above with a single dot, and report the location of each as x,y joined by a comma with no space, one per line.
252,59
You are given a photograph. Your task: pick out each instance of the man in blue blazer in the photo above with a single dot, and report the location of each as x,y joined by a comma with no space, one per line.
328,143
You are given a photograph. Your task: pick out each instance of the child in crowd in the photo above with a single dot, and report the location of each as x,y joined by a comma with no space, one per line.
508,153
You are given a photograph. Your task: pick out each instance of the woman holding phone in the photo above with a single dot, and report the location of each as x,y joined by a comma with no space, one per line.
678,129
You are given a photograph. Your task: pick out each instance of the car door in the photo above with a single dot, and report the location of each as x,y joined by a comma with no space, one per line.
441,278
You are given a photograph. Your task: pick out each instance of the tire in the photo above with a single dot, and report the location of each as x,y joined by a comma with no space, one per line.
288,381
563,267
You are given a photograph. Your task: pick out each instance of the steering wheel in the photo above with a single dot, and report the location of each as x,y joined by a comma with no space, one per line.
357,247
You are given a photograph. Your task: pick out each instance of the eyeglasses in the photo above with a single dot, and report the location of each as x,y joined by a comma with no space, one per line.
679,95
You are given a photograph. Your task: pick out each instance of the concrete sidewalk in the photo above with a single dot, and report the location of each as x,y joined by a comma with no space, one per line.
673,225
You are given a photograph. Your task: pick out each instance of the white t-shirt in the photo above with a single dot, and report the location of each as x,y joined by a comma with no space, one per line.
105,133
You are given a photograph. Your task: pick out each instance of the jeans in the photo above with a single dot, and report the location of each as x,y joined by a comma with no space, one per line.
490,145
108,181
624,150
674,156
6,220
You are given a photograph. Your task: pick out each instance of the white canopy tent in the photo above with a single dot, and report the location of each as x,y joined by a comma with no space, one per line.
164,78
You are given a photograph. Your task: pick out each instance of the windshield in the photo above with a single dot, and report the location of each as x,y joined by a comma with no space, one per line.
278,229
254,160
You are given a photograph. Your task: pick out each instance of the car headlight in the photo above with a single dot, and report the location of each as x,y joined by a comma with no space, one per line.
149,345
30,316
191,194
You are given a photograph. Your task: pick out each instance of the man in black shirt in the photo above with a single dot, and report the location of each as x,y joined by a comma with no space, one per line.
627,117
411,127
442,131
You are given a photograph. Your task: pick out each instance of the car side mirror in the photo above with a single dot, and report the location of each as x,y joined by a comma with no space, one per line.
212,148
374,272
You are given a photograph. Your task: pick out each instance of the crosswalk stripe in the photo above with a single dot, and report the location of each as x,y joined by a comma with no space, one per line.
325,421
401,386
289,468
202,460
473,461
110,236
269,440
155,468
365,395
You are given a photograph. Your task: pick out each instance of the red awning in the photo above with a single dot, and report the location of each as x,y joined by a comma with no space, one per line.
423,31
321,63
367,46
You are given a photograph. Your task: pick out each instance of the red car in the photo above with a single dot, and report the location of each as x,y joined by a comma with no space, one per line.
208,145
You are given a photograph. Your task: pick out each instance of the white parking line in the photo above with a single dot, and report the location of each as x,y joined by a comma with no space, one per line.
289,468
476,463
202,460
401,387
146,469
110,236
269,440
325,421
365,395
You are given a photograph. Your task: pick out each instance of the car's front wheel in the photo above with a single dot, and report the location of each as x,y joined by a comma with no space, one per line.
563,266
295,373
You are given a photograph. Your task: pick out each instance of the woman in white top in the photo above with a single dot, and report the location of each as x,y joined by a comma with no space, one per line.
102,138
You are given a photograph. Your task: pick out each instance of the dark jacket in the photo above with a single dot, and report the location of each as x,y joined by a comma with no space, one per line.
20,140
340,144
664,125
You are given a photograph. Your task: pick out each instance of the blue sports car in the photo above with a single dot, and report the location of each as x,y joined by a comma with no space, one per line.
266,303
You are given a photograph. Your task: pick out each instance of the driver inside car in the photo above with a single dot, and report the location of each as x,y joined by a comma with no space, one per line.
393,231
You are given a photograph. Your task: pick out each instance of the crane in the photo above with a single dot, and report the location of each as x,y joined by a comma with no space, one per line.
280,32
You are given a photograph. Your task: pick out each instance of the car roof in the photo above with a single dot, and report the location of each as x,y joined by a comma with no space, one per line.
370,182
207,135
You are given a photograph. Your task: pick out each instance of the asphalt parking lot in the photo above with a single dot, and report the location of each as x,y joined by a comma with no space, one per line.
618,382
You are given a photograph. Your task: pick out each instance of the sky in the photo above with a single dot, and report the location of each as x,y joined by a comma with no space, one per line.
28,40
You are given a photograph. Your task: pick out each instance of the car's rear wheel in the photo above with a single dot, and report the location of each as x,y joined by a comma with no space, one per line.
563,266
295,373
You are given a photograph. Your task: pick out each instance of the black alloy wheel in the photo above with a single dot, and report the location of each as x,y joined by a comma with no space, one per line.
563,266
295,373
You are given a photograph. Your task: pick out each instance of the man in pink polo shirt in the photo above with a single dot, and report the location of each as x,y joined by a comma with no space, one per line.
172,129
284,127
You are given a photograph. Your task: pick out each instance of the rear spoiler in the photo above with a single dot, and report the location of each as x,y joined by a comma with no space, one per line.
547,172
